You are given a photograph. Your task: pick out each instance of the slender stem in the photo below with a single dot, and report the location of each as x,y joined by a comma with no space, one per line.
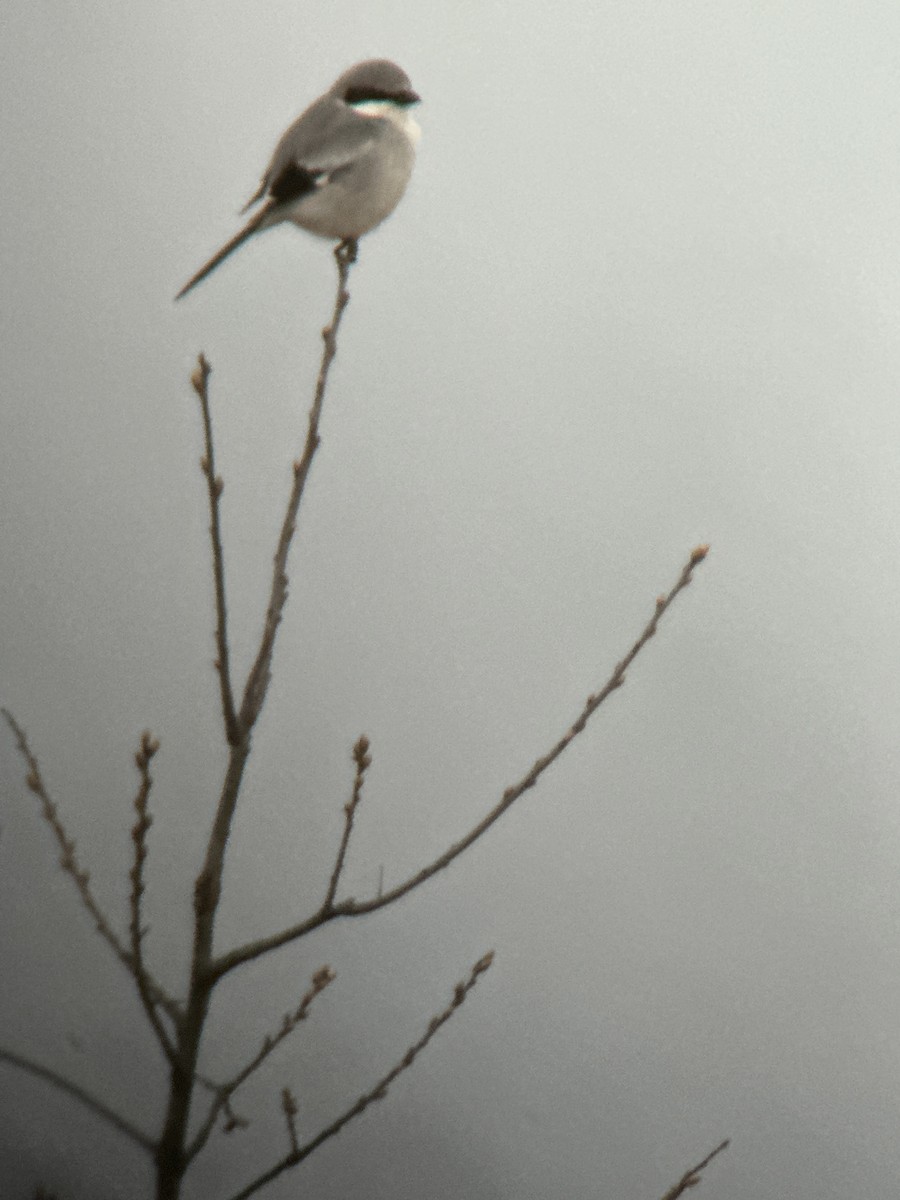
363,760
258,679
378,1092
691,1178
143,758
322,978
289,1108
69,863
81,1095
353,908
215,486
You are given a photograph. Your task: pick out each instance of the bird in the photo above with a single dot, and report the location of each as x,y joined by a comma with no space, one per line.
342,167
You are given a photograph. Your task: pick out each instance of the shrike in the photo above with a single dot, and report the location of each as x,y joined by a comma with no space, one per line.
342,166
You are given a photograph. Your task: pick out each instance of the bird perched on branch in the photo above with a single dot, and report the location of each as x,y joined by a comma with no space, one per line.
342,166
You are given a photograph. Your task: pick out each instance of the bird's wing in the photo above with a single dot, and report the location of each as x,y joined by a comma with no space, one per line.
328,136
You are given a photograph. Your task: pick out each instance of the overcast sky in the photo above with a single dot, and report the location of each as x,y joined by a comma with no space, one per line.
642,293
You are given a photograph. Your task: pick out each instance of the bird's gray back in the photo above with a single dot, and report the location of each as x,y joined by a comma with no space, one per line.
327,135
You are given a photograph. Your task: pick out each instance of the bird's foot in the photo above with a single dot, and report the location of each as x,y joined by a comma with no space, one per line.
345,252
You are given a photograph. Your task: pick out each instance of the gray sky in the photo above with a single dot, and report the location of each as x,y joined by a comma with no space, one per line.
642,293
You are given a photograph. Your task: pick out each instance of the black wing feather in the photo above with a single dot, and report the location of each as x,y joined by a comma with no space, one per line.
292,182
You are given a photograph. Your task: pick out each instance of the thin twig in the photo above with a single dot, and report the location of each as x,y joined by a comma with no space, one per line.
84,1097
224,1091
289,1108
35,783
258,679
378,1092
363,760
353,908
144,756
691,1178
215,486
208,885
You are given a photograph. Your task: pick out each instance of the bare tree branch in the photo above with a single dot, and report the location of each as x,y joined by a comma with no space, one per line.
35,783
209,881
172,1151
81,1095
378,1092
224,1092
363,760
215,486
353,908
691,1178
258,679
144,756
171,1160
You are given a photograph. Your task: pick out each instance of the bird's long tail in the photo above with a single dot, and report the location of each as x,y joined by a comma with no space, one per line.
239,238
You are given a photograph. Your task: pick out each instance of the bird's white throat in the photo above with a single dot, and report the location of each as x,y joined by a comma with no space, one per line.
397,114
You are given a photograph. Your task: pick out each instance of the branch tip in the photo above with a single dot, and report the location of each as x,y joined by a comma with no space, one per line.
200,375
329,910
323,977
289,1108
137,929
378,1092
484,963
691,1177
146,752
223,1092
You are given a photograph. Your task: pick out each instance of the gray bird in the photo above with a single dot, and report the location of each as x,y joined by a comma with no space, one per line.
342,166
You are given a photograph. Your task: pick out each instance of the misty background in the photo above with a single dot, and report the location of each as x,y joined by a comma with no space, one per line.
642,293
